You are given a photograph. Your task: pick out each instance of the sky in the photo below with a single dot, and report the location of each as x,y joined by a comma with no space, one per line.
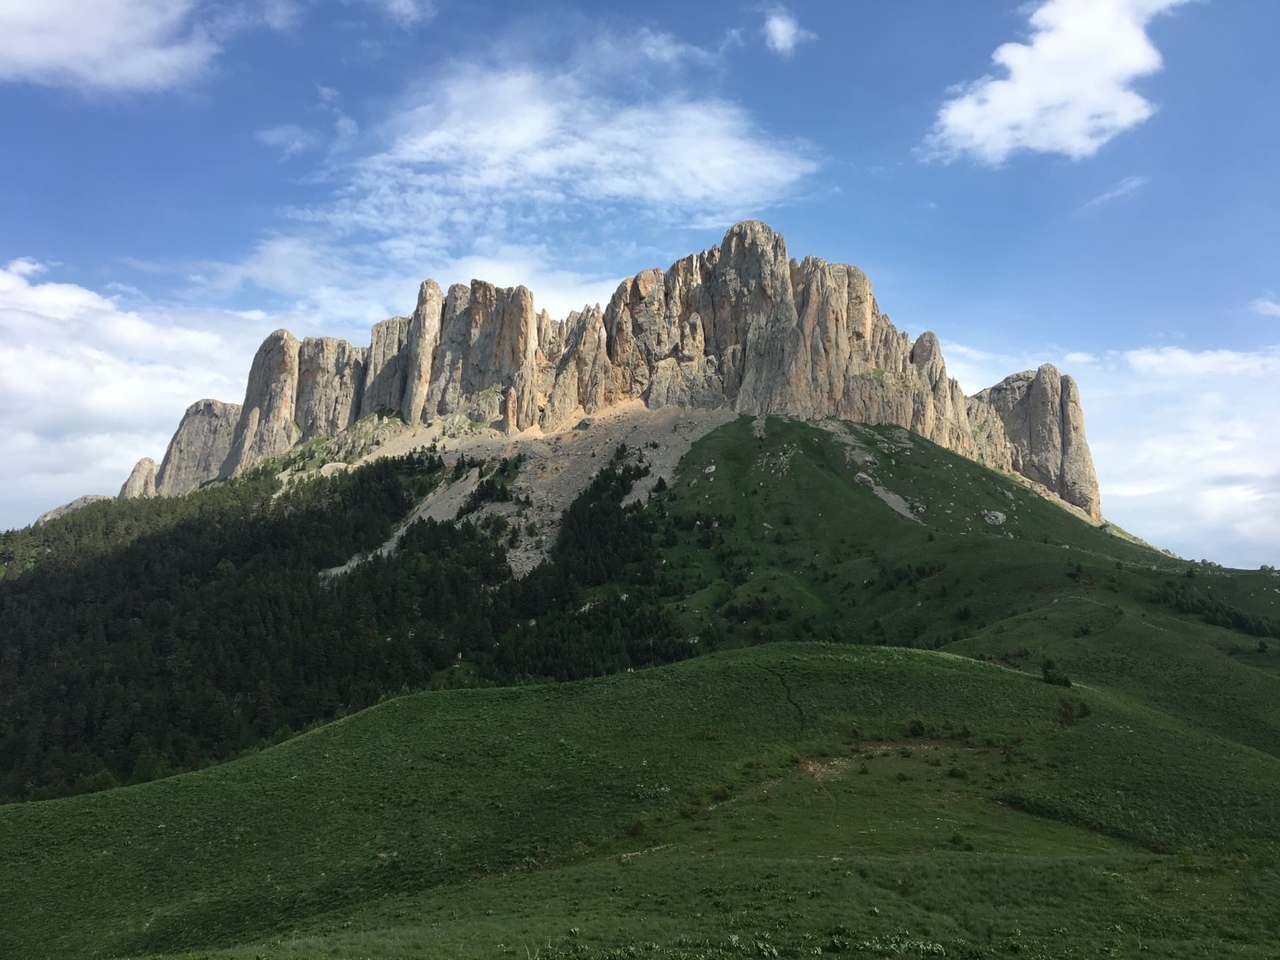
1091,183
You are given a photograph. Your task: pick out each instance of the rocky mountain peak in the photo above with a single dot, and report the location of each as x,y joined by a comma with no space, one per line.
740,325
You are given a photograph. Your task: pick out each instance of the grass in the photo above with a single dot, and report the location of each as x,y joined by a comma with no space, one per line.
930,797
781,541
733,766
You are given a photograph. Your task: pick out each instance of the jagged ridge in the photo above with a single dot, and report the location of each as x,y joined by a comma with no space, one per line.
739,325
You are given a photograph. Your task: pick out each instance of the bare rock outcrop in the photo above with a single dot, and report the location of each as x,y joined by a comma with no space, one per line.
198,448
423,339
267,427
740,325
330,386
141,482
384,374
1044,423
71,507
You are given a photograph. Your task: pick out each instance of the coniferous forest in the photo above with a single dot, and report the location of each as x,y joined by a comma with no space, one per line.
139,638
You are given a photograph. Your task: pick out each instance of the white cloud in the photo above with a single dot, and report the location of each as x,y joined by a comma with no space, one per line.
482,148
1067,90
783,33
1177,362
125,46
1265,307
320,280
25,267
108,44
289,139
1117,190
1186,442
518,167
661,48
88,386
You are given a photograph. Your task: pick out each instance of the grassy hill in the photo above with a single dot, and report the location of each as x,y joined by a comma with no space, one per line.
902,783
776,538
789,791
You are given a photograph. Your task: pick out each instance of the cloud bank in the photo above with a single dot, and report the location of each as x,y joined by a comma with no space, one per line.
87,383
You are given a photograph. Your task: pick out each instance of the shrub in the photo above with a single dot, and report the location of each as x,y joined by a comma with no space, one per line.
1051,674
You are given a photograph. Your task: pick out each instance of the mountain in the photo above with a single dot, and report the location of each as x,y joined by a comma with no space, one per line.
830,687
740,326
505,637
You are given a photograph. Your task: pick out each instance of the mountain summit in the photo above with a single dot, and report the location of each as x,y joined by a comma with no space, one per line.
740,326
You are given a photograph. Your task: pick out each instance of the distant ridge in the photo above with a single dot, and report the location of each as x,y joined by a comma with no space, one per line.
740,326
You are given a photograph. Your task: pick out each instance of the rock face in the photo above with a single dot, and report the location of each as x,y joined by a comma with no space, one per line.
199,448
66,508
1044,423
267,427
141,482
384,374
330,386
740,326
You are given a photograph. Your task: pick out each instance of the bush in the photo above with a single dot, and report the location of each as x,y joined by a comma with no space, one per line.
1051,674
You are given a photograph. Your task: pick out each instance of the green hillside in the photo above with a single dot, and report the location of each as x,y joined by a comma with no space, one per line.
780,541
793,791
934,715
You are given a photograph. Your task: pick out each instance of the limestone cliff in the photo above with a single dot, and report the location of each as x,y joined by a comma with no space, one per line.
1044,424
740,326
267,427
141,482
330,387
199,448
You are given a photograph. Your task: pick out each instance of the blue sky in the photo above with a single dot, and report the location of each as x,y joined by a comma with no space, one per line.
1086,182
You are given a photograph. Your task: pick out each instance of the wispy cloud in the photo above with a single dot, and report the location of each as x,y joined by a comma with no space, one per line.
526,165
1117,190
404,13
661,47
1067,90
1265,307
783,33
289,139
1177,362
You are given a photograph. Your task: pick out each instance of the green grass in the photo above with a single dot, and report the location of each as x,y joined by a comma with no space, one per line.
723,769
789,545
929,797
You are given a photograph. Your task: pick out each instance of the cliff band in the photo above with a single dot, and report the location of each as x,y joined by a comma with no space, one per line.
739,326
